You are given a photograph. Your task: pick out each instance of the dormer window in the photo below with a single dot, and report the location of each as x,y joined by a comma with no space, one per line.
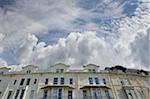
59,70
89,70
125,82
28,71
92,70
2,72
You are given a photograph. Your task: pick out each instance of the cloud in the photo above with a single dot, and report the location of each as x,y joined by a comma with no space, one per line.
77,49
114,40
141,51
130,28
3,62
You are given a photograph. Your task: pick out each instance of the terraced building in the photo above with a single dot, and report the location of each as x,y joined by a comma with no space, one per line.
61,82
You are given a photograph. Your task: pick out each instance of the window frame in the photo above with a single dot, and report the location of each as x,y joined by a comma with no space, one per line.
97,80
55,81
28,81
62,80
71,81
90,80
46,81
22,81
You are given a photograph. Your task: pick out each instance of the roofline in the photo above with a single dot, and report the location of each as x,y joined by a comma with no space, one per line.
4,67
91,65
60,64
29,66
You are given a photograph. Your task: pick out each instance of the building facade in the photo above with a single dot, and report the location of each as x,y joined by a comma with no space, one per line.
60,82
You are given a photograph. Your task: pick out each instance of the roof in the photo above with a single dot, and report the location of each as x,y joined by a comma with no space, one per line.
29,66
90,65
5,68
117,67
60,64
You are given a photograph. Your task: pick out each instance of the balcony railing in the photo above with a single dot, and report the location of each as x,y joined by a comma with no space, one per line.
67,97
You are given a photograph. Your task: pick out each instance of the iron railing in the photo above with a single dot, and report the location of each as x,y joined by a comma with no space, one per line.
67,97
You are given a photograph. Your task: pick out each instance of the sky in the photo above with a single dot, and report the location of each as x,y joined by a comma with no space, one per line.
75,32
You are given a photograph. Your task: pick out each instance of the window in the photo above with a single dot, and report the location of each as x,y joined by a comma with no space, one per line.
141,94
94,94
46,81
120,94
125,82
130,95
9,94
71,81
15,82
133,94
17,93
90,80
85,94
104,81
22,81
32,94
35,80
99,94
45,94
54,93
59,70
146,83
96,80
122,83
22,94
92,70
28,81
89,70
55,81
28,71
59,93
2,72
70,94
62,81
107,94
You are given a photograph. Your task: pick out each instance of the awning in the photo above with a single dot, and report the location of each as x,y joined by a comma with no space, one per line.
55,86
95,86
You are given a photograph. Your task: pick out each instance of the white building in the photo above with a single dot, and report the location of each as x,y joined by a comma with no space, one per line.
59,82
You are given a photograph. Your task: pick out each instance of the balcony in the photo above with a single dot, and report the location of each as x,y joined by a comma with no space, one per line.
86,97
55,86
95,86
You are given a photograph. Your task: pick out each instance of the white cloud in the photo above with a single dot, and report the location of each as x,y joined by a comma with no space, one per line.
19,44
141,51
3,62
25,51
129,29
77,49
